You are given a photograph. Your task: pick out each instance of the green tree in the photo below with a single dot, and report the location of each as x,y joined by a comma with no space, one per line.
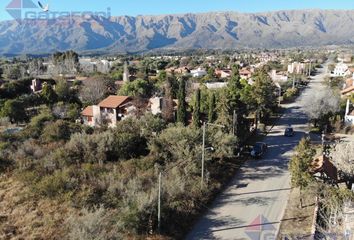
212,107
14,110
223,109
264,93
182,109
136,88
62,90
299,165
48,94
59,130
196,109
167,110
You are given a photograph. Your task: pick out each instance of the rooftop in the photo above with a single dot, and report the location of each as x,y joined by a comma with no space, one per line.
88,111
113,101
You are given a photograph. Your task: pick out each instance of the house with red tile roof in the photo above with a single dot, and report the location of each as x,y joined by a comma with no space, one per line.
245,73
348,88
223,73
109,111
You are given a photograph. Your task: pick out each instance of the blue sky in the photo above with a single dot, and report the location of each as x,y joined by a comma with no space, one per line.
154,7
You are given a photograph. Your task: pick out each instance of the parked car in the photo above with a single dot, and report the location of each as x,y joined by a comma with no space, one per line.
289,132
258,149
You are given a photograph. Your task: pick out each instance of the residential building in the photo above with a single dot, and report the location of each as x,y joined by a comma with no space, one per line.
340,70
199,72
216,85
109,111
348,88
223,73
296,68
278,76
245,73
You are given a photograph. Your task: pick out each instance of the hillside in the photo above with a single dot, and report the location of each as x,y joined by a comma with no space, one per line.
218,30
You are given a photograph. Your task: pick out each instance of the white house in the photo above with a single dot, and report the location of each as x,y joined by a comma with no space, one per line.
340,70
199,72
296,67
278,77
349,116
90,65
216,85
155,105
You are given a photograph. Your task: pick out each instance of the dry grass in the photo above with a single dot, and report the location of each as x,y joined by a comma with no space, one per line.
298,221
23,217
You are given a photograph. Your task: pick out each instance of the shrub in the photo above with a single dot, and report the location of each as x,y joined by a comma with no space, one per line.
92,225
59,130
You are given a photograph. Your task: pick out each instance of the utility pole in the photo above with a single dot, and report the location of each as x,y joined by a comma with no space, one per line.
279,94
159,206
203,152
310,68
293,82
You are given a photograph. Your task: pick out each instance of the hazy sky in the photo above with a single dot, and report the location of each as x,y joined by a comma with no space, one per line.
149,7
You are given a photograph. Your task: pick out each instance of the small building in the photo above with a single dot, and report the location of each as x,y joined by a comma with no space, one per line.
349,115
109,111
36,85
155,105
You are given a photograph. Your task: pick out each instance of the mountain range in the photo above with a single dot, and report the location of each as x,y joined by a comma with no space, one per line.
215,30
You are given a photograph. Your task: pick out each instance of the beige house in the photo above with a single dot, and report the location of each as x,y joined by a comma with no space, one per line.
109,111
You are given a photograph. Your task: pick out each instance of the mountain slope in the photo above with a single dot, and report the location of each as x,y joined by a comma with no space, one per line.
222,30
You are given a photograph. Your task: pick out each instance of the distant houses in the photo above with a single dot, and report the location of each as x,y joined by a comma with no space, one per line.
90,65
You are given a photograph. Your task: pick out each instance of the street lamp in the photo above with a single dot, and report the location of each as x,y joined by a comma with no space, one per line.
204,148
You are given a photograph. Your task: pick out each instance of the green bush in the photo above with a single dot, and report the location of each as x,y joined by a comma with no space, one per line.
290,94
59,130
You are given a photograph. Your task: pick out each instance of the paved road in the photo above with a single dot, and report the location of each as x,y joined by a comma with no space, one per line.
253,204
